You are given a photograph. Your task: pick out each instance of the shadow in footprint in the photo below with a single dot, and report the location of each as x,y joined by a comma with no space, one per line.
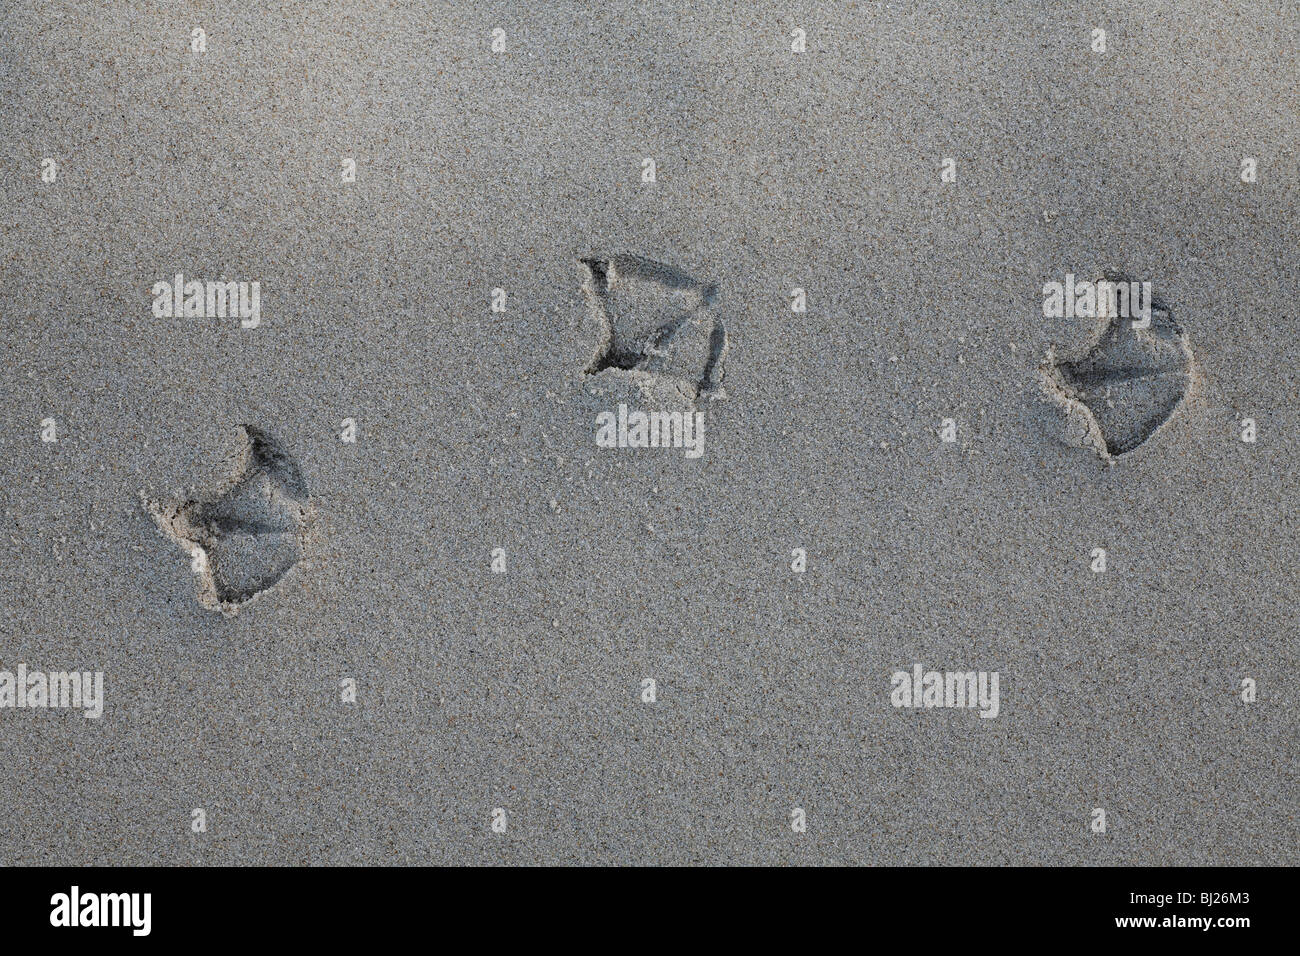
657,326
246,536
1128,384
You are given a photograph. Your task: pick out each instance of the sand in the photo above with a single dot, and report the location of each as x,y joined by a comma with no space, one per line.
1120,690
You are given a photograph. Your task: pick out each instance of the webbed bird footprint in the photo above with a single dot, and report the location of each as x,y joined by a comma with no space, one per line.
1126,387
243,538
658,331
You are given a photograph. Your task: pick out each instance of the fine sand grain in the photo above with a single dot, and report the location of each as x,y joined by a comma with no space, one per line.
375,693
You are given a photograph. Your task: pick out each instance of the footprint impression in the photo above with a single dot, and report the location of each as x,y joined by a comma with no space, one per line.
246,535
658,332
1119,394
